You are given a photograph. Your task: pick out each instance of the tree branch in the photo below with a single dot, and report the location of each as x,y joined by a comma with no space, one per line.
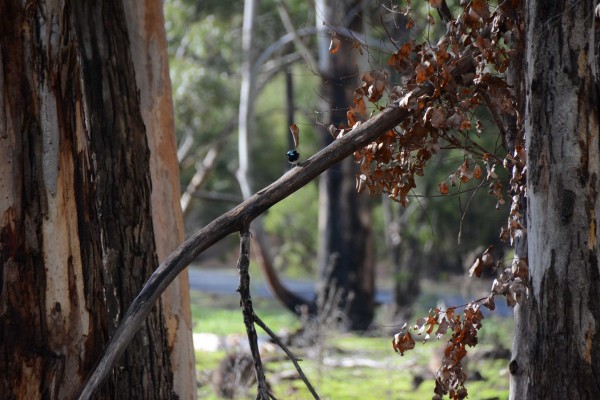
203,170
240,216
289,27
291,355
248,312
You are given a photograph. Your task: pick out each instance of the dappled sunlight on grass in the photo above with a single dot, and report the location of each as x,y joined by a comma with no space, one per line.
344,365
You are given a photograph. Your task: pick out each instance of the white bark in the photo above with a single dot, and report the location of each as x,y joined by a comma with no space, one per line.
247,96
561,356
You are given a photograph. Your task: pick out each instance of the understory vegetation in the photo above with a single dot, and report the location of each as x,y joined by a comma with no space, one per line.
341,365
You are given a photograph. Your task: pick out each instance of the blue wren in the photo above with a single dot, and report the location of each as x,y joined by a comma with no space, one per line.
293,156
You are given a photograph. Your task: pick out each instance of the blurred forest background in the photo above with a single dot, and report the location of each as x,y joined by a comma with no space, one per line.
288,71
206,57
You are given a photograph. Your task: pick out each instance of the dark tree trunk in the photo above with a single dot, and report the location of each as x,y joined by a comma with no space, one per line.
561,355
76,230
346,267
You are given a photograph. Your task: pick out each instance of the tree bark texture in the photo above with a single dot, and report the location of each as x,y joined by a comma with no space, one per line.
76,224
346,265
563,142
148,43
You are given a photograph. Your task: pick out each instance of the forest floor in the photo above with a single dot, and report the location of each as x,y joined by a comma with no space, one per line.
339,365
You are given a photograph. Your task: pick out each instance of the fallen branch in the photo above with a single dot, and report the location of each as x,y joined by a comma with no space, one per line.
240,216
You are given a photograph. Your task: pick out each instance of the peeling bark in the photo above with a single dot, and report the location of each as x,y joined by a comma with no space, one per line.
76,229
147,36
561,354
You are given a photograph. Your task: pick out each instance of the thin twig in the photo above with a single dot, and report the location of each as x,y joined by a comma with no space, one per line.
248,312
291,355
462,218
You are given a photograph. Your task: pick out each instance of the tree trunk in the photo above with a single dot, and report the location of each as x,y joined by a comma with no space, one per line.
561,358
247,97
146,25
76,229
406,260
346,266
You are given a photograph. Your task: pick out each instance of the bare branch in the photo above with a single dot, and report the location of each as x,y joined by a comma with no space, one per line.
291,355
377,44
203,170
248,312
185,146
289,27
272,67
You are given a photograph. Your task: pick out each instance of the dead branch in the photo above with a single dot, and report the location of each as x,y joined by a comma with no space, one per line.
248,312
286,20
291,355
203,170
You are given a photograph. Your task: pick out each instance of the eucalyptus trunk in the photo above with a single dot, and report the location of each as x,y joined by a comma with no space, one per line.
560,353
77,238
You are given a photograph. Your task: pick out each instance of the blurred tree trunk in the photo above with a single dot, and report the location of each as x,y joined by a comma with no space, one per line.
77,237
244,174
346,265
560,357
247,96
405,255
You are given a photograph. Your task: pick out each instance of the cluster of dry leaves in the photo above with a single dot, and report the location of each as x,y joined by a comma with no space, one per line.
443,117
450,378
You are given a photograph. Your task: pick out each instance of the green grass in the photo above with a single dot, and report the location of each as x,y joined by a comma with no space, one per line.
222,315
391,379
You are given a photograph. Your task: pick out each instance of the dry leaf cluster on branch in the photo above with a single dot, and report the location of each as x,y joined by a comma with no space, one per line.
442,115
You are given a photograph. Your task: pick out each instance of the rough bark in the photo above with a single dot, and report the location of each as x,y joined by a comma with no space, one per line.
345,260
562,358
146,27
76,229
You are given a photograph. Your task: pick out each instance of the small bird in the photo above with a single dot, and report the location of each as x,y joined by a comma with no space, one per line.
293,155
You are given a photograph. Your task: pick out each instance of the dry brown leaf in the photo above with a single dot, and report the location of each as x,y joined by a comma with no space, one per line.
438,118
402,342
477,268
480,8
334,45
487,257
295,134
430,19
477,172
421,73
489,302
443,187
